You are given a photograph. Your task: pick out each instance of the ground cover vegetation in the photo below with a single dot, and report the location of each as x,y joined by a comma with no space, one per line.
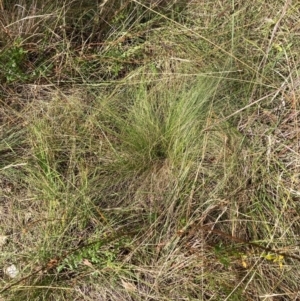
149,150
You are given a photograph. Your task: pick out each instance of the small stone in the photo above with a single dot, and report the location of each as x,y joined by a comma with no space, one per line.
11,271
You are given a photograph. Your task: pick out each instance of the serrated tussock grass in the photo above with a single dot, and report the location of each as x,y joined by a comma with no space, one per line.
151,152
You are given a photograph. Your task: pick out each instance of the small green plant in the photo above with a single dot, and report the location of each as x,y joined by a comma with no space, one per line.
95,254
72,262
12,62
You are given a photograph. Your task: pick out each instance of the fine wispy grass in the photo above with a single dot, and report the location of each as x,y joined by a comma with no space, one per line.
149,150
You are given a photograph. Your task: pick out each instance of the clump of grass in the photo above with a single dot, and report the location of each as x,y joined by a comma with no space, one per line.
161,125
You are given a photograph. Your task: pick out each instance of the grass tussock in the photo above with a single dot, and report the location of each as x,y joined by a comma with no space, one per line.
149,150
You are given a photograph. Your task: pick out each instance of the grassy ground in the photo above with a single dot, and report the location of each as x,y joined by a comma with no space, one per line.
149,150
